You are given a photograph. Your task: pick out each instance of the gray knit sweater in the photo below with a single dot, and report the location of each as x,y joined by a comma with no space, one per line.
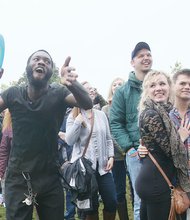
100,147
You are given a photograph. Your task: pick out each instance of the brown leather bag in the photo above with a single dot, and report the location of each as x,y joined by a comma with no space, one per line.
179,199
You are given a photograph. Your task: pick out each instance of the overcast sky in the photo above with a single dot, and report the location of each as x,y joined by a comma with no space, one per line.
99,35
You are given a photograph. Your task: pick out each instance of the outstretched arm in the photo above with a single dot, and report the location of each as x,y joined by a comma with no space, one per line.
79,96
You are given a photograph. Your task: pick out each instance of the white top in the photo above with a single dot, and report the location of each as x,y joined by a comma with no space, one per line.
100,147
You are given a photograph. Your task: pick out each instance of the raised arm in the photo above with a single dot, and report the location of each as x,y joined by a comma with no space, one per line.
79,96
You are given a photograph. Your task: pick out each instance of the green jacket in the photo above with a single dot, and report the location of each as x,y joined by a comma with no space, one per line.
124,113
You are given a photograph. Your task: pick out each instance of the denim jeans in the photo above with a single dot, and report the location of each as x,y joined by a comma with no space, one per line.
70,207
107,191
119,175
188,214
133,167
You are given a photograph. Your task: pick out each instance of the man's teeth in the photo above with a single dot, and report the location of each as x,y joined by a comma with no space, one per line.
40,70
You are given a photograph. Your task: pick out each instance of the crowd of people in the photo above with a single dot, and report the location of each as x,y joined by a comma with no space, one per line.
45,125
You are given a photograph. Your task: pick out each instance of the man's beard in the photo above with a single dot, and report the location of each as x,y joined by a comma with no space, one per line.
37,83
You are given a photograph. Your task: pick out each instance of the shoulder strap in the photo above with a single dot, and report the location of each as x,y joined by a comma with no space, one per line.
88,140
161,170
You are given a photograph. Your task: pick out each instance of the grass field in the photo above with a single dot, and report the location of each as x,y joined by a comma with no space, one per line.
2,209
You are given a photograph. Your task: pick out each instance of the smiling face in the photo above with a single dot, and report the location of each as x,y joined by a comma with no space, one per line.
158,89
182,87
39,69
142,62
91,91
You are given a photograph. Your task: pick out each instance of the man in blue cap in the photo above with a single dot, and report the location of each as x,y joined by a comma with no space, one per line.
124,114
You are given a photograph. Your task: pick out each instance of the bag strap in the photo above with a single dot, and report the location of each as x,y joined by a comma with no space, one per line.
161,170
88,140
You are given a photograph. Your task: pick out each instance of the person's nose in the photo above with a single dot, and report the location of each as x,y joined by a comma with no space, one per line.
158,87
41,62
187,86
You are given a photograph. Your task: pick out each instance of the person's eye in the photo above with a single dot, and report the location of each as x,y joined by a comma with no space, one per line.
47,62
162,83
152,85
183,83
35,58
140,56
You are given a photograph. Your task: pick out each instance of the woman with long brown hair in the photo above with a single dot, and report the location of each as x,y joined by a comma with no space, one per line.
100,152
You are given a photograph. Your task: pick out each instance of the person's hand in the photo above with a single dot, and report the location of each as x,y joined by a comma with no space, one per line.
142,150
1,72
68,76
80,118
109,164
61,135
184,129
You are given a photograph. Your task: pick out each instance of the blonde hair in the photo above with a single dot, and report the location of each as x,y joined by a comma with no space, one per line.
110,92
147,81
7,121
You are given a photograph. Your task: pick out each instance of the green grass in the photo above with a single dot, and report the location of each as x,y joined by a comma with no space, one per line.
2,209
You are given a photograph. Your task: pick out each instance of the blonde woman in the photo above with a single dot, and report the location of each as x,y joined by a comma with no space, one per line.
162,139
119,170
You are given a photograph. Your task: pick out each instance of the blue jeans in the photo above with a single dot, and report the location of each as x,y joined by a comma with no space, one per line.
119,175
107,191
133,167
70,207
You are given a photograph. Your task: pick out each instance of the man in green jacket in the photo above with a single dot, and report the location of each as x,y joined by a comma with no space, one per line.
124,114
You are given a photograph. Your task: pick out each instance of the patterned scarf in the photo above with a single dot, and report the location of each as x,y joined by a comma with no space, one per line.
176,148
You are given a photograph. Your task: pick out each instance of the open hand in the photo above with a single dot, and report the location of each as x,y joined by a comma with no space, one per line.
61,135
184,129
68,76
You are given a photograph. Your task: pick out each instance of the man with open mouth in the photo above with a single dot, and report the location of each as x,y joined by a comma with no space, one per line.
37,111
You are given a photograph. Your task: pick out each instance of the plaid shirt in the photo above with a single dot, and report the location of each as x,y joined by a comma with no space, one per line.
175,117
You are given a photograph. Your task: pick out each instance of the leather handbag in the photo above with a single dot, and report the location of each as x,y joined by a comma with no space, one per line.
179,199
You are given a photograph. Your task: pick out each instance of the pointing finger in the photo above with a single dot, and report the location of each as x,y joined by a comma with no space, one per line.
67,61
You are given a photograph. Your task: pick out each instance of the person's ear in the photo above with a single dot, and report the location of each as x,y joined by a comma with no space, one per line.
132,63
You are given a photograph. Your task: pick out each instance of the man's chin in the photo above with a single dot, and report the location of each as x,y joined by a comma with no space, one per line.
146,70
38,83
